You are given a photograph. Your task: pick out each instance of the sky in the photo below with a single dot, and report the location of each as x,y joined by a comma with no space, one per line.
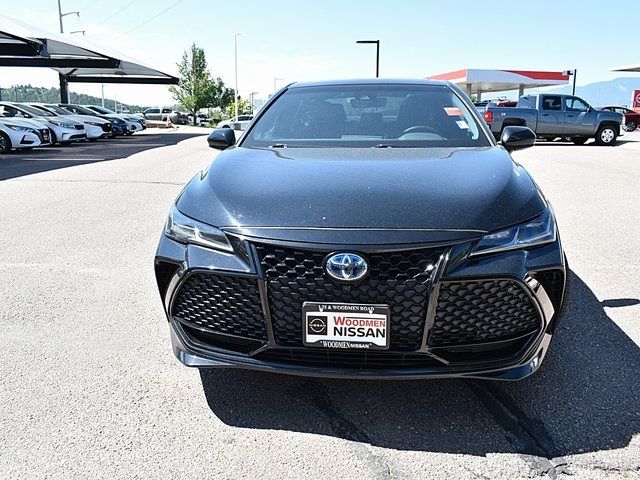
286,41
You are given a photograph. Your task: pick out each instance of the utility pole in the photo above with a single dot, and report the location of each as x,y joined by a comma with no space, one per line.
235,56
102,85
275,83
64,85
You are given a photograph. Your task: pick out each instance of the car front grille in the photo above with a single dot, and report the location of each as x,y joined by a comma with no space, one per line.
399,279
482,311
79,127
473,319
106,127
221,304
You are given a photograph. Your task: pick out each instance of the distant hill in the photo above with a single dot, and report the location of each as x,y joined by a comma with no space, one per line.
27,93
612,92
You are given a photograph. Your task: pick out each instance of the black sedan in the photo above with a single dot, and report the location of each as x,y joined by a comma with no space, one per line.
364,229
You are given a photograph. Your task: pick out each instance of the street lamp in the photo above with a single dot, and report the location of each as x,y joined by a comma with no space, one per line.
377,42
275,83
251,97
573,73
235,56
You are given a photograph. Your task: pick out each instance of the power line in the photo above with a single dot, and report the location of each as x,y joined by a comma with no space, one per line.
153,18
84,9
117,12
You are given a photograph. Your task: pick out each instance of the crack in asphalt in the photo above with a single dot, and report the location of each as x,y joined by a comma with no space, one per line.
527,436
345,428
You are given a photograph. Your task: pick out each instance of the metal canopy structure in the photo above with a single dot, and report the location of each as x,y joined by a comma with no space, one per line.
478,81
627,68
75,59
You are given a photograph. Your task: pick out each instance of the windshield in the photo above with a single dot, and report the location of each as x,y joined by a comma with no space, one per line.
79,110
36,112
101,109
367,116
58,110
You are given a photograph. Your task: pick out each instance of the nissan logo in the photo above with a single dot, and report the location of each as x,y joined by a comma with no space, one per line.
346,267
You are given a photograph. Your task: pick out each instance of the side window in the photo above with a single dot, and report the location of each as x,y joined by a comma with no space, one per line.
166,110
153,110
574,104
10,112
550,102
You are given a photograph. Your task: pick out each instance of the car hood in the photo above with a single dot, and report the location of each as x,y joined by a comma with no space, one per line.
425,194
57,118
22,122
86,118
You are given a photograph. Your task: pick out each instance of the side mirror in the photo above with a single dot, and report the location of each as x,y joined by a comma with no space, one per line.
517,138
222,138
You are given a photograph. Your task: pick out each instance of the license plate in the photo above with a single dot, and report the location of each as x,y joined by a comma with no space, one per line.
345,325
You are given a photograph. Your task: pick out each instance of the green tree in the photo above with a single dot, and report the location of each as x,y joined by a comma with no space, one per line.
244,107
197,89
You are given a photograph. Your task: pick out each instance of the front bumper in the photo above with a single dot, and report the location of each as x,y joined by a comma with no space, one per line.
93,131
23,139
529,269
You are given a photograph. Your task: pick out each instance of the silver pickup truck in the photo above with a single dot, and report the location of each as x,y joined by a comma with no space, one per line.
553,116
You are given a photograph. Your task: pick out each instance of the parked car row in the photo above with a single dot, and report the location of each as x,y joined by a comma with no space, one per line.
30,125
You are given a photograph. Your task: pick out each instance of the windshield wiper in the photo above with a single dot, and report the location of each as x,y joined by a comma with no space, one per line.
278,145
382,145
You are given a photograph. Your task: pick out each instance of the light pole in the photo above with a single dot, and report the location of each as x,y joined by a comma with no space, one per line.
235,56
573,73
275,83
64,85
251,97
377,42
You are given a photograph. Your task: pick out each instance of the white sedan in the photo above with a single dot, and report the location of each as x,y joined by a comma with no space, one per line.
241,122
22,134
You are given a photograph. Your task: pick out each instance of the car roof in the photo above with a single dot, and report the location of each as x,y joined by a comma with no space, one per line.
369,81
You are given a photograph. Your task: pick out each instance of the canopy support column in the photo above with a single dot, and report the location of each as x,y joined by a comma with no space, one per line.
520,90
64,89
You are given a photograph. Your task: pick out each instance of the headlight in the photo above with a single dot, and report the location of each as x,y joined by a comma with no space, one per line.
21,129
535,232
95,124
184,229
62,124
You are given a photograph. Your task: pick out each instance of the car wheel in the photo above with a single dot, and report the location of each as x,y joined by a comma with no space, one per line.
631,126
579,140
5,143
606,135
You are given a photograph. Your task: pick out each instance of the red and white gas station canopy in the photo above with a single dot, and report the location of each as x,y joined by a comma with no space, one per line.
479,80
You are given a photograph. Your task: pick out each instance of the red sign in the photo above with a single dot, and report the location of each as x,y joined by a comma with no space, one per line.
635,99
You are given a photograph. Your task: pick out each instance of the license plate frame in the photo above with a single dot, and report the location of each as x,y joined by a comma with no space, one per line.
374,320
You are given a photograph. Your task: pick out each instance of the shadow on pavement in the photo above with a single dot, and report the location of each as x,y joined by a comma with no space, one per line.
584,398
20,163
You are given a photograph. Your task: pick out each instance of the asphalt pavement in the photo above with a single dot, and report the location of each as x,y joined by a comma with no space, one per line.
89,387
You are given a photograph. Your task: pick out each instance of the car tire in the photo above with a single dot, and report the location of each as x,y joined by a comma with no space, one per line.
579,140
606,135
631,126
5,143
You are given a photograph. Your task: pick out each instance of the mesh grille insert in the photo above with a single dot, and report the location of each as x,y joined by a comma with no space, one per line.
482,311
221,304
